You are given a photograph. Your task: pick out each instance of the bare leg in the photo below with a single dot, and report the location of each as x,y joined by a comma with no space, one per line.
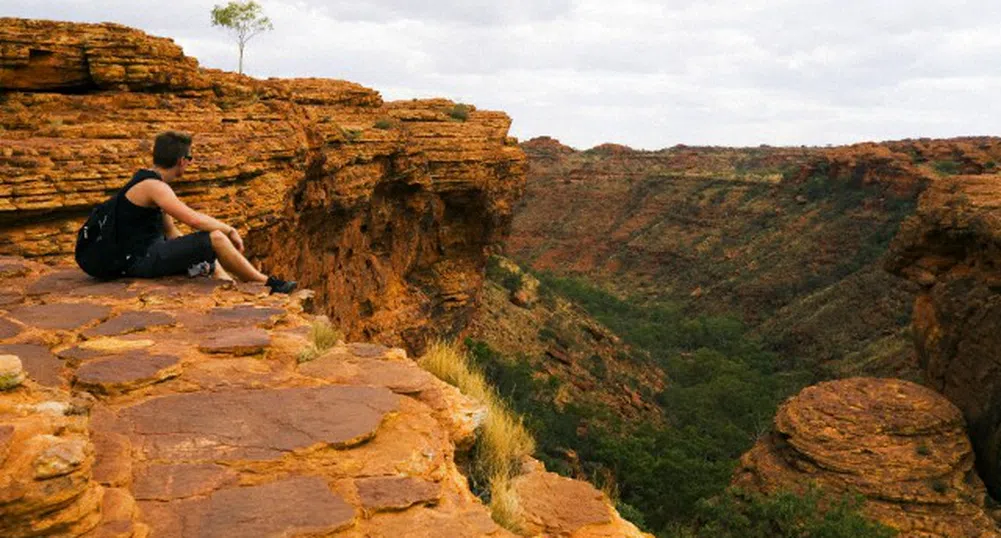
233,261
219,273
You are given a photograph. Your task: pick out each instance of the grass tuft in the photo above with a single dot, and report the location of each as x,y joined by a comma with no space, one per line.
323,336
504,506
503,441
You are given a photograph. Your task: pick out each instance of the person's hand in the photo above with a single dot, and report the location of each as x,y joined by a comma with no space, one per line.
234,236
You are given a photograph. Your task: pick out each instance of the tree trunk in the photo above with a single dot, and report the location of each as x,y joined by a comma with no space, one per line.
241,58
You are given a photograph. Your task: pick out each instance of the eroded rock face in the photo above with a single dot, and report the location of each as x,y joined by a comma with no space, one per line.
903,446
951,250
46,462
390,226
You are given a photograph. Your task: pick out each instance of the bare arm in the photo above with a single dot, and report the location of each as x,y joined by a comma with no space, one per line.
170,228
163,196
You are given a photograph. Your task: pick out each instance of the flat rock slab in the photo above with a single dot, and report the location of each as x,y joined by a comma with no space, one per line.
172,482
180,286
124,374
552,505
104,347
116,289
8,329
42,366
11,267
11,297
385,493
256,424
301,506
242,315
236,342
60,316
369,351
61,282
129,322
398,376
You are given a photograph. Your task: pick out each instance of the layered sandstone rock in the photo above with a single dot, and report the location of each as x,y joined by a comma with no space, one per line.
387,210
902,446
790,240
142,428
951,250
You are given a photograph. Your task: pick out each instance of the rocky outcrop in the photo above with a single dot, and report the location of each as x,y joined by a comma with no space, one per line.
387,210
951,250
141,429
902,446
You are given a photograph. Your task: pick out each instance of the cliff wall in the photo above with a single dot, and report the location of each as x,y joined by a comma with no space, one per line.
950,248
387,210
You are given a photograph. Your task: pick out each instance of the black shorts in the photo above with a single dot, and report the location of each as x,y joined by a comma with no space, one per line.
190,255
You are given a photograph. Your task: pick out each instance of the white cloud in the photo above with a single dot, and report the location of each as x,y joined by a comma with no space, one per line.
648,73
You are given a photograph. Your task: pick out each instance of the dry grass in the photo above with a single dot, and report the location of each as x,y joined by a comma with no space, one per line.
503,441
504,507
323,336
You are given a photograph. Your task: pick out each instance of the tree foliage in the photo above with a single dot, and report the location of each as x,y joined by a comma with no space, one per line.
671,478
243,20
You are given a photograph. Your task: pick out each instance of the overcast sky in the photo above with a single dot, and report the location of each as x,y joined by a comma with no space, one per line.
645,73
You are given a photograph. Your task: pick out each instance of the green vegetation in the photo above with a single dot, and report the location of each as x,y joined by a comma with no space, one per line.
946,167
460,112
739,514
351,134
243,20
498,273
725,388
383,124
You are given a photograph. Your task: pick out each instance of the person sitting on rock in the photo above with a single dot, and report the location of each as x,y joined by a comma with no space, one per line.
146,229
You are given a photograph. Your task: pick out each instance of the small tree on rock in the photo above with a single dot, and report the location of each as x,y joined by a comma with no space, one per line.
243,20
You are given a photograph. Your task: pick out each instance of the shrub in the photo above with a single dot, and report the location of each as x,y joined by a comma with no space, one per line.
383,123
741,514
496,272
947,167
459,112
351,134
322,336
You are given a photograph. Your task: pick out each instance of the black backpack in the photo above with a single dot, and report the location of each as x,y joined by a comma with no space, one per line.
99,252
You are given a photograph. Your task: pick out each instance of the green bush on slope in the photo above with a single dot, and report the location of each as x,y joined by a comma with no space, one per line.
724,391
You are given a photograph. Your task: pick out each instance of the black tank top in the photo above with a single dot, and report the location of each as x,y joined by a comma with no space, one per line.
138,227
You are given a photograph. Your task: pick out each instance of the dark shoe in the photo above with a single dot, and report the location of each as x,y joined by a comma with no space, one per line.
278,285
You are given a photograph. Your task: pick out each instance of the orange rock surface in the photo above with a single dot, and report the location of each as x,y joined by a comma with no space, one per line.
904,447
127,426
950,249
387,210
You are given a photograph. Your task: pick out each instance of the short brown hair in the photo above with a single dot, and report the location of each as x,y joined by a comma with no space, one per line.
169,147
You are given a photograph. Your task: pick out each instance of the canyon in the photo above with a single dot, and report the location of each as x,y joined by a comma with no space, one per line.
805,248
868,271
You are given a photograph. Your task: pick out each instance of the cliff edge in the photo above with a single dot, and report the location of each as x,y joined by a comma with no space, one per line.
182,407
387,210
